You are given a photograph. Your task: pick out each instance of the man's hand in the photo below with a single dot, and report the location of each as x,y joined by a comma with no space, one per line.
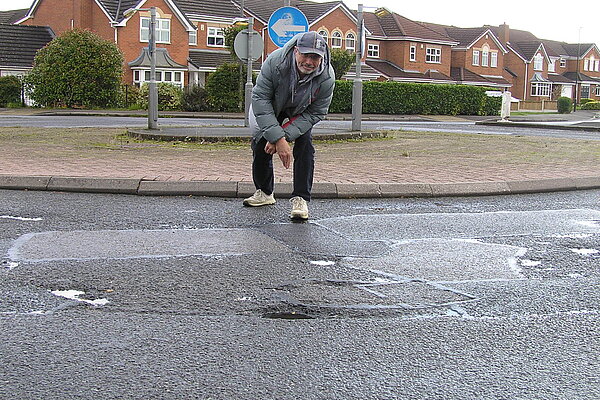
282,147
270,148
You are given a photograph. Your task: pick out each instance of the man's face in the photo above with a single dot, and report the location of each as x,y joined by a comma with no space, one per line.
307,63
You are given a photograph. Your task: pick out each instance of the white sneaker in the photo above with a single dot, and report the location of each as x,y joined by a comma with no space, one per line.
259,198
299,208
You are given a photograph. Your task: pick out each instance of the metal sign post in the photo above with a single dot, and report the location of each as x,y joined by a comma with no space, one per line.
248,46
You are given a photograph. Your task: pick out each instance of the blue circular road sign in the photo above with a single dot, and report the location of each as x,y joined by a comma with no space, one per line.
285,23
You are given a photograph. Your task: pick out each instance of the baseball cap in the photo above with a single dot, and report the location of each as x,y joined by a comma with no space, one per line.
311,42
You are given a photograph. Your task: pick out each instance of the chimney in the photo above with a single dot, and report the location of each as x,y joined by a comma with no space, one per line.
504,33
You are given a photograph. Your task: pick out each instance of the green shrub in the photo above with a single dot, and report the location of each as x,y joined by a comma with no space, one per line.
414,98
342,60
564,105
169,96
225,88
584,101
591,105
194,98
76,69
129,95
10,90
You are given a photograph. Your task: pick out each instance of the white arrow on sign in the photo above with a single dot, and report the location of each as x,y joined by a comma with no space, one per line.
283,26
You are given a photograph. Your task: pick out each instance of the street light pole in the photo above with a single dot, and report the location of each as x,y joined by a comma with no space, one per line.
152,90
357,85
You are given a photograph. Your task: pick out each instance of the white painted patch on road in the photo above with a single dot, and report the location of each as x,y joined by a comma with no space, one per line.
323,263
19,218
75,295
590,223
530,263
9,265
585,252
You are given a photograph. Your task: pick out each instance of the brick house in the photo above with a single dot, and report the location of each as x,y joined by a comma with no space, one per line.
190,42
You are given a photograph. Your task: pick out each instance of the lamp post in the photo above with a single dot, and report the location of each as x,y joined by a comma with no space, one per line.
357,84
152,90
577,74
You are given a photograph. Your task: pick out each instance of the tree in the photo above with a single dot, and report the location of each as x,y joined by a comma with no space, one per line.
341,61
222,88
77,68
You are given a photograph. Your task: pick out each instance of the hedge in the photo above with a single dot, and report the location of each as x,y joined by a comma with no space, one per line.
415,98
591,105
10,90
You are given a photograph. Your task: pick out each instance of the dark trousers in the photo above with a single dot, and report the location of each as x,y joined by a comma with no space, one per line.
304,166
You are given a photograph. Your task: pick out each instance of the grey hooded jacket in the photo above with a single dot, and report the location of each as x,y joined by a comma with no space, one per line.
274,88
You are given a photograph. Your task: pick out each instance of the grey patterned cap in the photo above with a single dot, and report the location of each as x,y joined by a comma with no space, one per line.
311,42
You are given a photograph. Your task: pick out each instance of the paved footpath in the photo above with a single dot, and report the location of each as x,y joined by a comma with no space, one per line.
404,164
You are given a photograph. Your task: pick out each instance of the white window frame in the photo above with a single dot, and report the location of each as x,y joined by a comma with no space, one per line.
552,66
586,64
563,63
494,59
538,62
433,55
413,52
325,35
475,57
485,58
140,76
336,40
193,38
216,35
350,41
540,89
162,31
586,88
373,50
597,90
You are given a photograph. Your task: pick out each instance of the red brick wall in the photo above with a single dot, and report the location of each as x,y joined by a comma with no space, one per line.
131,46
492,47
399,53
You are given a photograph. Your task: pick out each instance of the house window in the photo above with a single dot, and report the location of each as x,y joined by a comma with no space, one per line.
373,50
563,63
597,67
485,56
325,35
336,40
216,37
586,64
585,91
540,89
350,42
173,77
433,55
193,38
552,66
413,53
494,59
597,90
475,57
538,62
163,30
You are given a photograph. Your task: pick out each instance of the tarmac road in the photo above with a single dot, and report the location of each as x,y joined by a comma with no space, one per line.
191,297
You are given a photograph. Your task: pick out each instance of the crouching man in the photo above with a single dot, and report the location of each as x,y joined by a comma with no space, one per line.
292,93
